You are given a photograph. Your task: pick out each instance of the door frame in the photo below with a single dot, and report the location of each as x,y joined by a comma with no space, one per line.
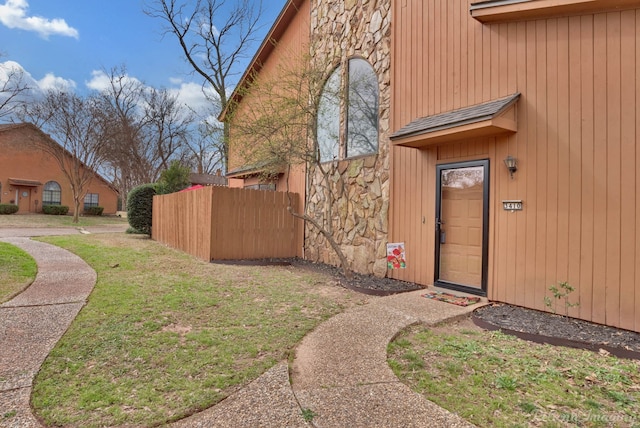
482,291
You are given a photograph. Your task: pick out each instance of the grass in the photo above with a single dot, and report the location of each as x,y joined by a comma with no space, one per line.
42,220
492,379
164,335
17,271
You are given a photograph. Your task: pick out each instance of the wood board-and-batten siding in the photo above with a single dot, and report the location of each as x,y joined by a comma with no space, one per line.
220,223
578,125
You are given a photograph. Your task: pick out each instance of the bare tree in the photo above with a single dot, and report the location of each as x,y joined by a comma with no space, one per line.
216,36
13,86
206,146
73,122
274,129
145,129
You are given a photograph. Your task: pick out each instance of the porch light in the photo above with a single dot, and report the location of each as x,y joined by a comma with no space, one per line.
511,164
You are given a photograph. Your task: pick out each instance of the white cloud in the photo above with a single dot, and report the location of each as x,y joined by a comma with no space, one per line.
49,81
191,94
101,80
13,14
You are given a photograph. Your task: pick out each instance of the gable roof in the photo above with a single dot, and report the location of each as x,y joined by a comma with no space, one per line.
47,137
289,11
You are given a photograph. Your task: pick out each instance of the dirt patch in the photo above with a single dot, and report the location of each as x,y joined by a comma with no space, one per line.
546,327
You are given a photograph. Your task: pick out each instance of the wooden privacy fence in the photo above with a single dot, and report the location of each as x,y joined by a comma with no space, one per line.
220,223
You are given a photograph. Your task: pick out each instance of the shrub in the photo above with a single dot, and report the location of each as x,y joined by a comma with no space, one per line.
55,209
8,208
93,210
139,208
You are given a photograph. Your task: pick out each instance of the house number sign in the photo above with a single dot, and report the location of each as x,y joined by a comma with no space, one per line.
512,205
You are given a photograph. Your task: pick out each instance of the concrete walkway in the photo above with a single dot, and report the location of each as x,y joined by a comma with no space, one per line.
339,376
33,322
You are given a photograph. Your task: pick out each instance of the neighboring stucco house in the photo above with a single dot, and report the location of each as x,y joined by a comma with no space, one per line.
30,178
549,87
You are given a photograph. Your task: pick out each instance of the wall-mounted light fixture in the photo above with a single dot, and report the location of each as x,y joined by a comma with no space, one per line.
511,164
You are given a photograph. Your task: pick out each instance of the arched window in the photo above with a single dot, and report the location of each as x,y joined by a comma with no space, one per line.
362,109
328,129
51,194
361,121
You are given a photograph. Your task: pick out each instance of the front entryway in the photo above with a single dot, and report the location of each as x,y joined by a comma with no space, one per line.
23,198
462,214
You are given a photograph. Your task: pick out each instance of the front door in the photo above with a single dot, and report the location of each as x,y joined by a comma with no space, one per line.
462,214
24,199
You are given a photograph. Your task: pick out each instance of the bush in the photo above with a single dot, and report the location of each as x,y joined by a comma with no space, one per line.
55,209
140,206
93,210
8,208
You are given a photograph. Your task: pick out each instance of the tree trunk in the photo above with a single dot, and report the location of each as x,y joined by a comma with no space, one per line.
348,273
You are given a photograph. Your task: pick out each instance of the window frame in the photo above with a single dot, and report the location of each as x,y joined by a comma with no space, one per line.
47,194
91,203
342,145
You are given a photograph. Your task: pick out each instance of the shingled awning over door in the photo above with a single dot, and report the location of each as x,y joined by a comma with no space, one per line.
491,118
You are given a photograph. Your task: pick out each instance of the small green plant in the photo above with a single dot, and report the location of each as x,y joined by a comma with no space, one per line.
8,208
308,415
93,210
9,415
55,209
560,292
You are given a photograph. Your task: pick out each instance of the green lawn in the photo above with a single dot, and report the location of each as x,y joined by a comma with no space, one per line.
165,335
17,271
42,220
495,380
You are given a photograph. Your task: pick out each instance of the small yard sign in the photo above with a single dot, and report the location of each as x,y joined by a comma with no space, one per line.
395,256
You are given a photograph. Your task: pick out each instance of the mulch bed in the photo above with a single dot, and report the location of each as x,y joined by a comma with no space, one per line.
366,284
545,327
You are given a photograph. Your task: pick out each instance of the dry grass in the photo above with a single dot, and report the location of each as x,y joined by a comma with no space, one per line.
42,220
165,335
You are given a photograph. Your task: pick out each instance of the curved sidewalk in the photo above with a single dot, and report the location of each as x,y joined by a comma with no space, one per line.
340,376
33,321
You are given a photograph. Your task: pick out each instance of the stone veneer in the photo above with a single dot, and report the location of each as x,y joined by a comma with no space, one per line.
343,29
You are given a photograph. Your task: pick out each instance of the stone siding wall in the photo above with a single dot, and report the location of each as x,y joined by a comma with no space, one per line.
358,202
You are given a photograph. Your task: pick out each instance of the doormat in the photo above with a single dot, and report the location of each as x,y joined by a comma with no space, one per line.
451,298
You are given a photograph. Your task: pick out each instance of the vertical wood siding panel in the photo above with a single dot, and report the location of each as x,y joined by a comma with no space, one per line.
416,55
637,178
519,234
451,73
554,177
572,114
564,163
529,167
600,168
459,33
487,32
587,62
430,58
613,169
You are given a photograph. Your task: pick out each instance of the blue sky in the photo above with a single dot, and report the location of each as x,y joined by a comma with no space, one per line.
71,41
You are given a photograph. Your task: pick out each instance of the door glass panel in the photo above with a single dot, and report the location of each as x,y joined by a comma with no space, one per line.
461,229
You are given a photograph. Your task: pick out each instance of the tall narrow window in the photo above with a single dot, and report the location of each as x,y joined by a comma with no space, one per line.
51,194
328,129
91,200
362,109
